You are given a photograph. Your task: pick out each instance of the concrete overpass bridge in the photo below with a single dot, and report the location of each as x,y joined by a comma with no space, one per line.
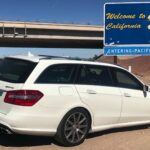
48,35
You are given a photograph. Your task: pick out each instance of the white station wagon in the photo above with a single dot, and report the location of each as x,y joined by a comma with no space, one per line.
67,99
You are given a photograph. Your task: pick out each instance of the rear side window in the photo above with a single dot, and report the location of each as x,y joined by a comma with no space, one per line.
94,75
15,70
62,73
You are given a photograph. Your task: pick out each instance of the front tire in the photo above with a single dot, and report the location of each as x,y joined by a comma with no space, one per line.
73,128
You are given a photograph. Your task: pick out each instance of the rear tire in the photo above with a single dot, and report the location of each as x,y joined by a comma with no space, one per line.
73,128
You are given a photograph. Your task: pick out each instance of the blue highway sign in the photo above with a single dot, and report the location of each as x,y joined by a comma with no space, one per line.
127,24
122,51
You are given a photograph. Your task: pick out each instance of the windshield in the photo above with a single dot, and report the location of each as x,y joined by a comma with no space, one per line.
15,70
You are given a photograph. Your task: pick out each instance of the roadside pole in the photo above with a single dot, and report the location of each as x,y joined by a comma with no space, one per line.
115,59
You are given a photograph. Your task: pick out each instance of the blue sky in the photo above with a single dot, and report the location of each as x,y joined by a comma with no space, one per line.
58,11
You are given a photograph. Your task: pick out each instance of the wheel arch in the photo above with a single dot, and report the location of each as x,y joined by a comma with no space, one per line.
79,107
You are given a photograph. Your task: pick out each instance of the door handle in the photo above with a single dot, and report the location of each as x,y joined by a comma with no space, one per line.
91,92
127,95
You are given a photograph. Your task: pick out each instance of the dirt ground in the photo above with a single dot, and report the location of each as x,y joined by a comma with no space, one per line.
135,138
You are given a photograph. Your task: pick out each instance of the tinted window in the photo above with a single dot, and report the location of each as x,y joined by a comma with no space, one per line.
15,70
94,75
58,74
126,80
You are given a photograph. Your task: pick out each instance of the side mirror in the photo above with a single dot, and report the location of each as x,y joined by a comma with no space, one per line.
145,90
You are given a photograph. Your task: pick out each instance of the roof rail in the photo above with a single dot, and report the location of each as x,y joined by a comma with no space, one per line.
50,56
75,58
61,57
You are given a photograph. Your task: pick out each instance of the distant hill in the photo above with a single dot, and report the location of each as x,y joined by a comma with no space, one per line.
140,65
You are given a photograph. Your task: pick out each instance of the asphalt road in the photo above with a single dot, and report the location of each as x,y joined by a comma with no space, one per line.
135,138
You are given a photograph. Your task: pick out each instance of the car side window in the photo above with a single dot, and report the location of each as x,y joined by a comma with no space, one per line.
126,80
62,73
94,75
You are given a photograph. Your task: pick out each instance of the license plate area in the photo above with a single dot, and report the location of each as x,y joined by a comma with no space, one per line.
1,92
